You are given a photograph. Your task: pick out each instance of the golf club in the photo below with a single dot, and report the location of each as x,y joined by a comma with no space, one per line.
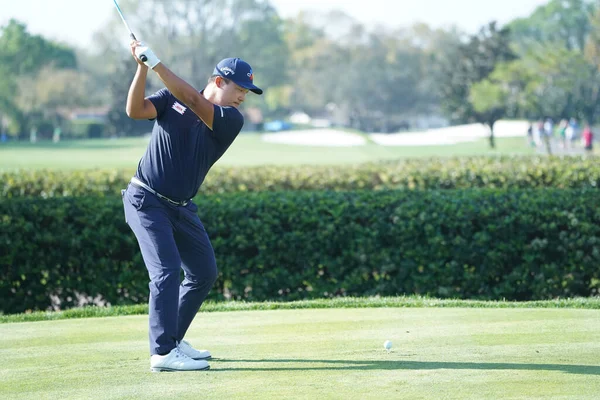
131,35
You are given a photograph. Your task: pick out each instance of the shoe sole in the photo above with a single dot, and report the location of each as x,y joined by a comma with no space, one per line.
205,358
177,370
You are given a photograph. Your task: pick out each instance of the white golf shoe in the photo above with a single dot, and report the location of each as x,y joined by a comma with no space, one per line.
187,349
176,361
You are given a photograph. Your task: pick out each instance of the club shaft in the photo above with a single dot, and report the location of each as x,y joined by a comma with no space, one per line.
124,20
131,35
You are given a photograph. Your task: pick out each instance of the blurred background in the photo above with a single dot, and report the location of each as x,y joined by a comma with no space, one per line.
335,73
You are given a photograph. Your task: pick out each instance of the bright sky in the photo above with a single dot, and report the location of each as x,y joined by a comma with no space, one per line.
75,21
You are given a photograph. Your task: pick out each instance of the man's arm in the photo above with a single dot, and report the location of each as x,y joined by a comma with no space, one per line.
179,88
138,107
203,108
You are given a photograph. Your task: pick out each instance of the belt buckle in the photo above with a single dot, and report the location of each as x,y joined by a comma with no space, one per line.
179,203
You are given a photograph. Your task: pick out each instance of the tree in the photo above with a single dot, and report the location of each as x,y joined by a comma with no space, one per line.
380,85
22,56
591,87
49,95
435,48
119,124
25,54
559,60
314,62
193,36
565,23
368,79
472,63
489,100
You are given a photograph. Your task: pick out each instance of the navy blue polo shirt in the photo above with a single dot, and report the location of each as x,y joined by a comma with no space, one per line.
182,148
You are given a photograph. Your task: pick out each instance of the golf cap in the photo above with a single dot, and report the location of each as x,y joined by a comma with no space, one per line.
238,71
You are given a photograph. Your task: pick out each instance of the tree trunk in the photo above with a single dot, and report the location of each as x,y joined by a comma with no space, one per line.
492,139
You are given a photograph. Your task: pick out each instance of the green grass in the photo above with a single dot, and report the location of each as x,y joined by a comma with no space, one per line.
247,150
339,302
319,353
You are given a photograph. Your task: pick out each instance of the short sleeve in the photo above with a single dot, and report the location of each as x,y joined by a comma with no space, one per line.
227,123
160,100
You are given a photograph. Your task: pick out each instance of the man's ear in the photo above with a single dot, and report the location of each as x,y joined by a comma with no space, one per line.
219,81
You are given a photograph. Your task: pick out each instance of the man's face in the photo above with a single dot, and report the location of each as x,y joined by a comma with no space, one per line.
231,94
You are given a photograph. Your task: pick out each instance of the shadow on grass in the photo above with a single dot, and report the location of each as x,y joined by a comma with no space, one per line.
274,365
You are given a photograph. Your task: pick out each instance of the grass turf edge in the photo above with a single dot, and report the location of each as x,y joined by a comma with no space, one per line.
340,302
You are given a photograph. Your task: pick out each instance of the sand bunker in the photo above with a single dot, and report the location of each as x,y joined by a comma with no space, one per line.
316,137
452,134
433,137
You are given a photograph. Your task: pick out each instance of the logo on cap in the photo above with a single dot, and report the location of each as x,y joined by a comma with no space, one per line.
227,71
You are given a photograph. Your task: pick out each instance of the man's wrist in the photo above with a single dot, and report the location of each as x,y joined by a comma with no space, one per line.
158,67
147,55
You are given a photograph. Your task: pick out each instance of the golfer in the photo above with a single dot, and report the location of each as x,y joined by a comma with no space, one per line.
191,132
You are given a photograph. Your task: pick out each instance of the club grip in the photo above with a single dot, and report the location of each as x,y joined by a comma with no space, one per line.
143,57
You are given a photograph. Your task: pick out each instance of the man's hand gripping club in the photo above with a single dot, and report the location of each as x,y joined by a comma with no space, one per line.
142,52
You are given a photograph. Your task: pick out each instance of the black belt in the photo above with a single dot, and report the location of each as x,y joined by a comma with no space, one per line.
137,183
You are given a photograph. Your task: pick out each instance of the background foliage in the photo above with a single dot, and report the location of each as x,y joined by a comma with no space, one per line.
544,65
506,172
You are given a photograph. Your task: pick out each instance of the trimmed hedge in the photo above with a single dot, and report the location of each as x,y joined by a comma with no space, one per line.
472,244
415,174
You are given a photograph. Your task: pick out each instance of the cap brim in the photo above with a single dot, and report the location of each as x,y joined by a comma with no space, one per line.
250,87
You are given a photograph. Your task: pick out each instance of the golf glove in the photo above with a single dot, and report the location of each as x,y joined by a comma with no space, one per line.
151,59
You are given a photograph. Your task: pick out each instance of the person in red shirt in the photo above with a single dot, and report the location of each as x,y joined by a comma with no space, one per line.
588,138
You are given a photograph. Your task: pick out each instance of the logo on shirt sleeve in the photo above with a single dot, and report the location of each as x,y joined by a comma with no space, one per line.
179,108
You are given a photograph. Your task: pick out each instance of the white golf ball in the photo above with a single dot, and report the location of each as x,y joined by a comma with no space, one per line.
387,345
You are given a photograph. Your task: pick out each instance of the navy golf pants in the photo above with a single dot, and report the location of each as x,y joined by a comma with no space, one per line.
171,238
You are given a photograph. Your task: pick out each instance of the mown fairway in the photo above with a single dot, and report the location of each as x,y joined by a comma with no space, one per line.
438,353
248,149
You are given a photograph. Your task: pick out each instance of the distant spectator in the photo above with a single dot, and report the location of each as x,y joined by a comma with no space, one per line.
530,135
562,132
548,127
547,131
538,133
56,135
33,135
588,138
572,130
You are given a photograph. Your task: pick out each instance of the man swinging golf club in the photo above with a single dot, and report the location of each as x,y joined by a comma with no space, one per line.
191,132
